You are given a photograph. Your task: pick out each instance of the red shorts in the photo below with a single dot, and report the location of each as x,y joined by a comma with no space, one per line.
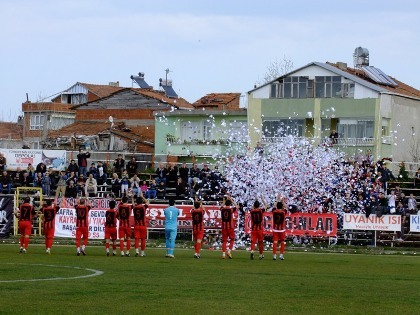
228,233
111,233
25,227
257,236
198,234
279,236
124,232
140,232
82,232
49,233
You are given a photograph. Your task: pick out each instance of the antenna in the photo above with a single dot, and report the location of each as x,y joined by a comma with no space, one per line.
111,120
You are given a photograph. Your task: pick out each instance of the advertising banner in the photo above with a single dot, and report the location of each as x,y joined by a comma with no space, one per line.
389,223
300,224
22,157
6,216
414,223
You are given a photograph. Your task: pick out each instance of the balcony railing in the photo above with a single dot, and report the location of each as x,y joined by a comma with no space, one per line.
328,141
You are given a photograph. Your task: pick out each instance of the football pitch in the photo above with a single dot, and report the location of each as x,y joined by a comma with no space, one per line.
304,283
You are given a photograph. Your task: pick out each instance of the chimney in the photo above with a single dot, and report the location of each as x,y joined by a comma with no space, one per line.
116,84
342,65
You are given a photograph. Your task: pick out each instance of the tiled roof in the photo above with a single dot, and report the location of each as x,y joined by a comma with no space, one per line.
160,95
101,90
222,101
402,88
9,130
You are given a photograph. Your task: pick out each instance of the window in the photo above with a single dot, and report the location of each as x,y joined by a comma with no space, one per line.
35,145
238,130
37,122
331,87
190,131
283,127
349,128
73,98
207,127
292,87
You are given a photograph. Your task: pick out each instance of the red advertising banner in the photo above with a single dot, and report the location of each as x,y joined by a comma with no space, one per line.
300,224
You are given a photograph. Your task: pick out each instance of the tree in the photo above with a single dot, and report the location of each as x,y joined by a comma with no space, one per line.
276,69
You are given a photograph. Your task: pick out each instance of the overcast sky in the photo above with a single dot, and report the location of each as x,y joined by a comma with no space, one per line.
209,46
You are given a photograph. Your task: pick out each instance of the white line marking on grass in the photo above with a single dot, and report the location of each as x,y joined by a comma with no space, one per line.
93,274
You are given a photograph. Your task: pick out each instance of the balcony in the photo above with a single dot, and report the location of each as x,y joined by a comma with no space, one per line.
347,142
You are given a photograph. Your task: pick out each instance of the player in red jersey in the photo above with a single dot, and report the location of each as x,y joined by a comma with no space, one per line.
124,231
111,228
279,227
140,225
228,212
49,210
25,213
82,224
197,214
257,231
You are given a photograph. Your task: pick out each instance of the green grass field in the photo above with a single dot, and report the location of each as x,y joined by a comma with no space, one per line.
304,283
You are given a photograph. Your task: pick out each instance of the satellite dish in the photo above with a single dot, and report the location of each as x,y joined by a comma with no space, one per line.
111,119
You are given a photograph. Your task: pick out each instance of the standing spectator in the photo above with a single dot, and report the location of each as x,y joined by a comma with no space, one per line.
135,185
171,226
161,174
125,182
197,214
205,174
41,168
61,185
172,175
227,212
124,230
111,228
82,225
334,137
91,186
412,204
49,211
5,183
183,172
386,176
31,172
25,214
115,185
3,161
132,167
73,167
101,173
82,161
369,157
46,184
38,181
119,164
257,231
140,225
417,178
17,177
181,188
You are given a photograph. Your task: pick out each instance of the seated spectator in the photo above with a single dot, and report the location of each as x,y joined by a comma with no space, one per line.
125,183
205,174
93,170
151,192
172,176
71,190
26,180
5,183
143,188
161,190
115,185
417,179
38,180
80,185
161,174
183,172
73,168
3,164
101,174
17,177
195,187
91,186
194,173
135,185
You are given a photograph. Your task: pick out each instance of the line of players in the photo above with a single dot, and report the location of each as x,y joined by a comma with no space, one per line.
26,212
